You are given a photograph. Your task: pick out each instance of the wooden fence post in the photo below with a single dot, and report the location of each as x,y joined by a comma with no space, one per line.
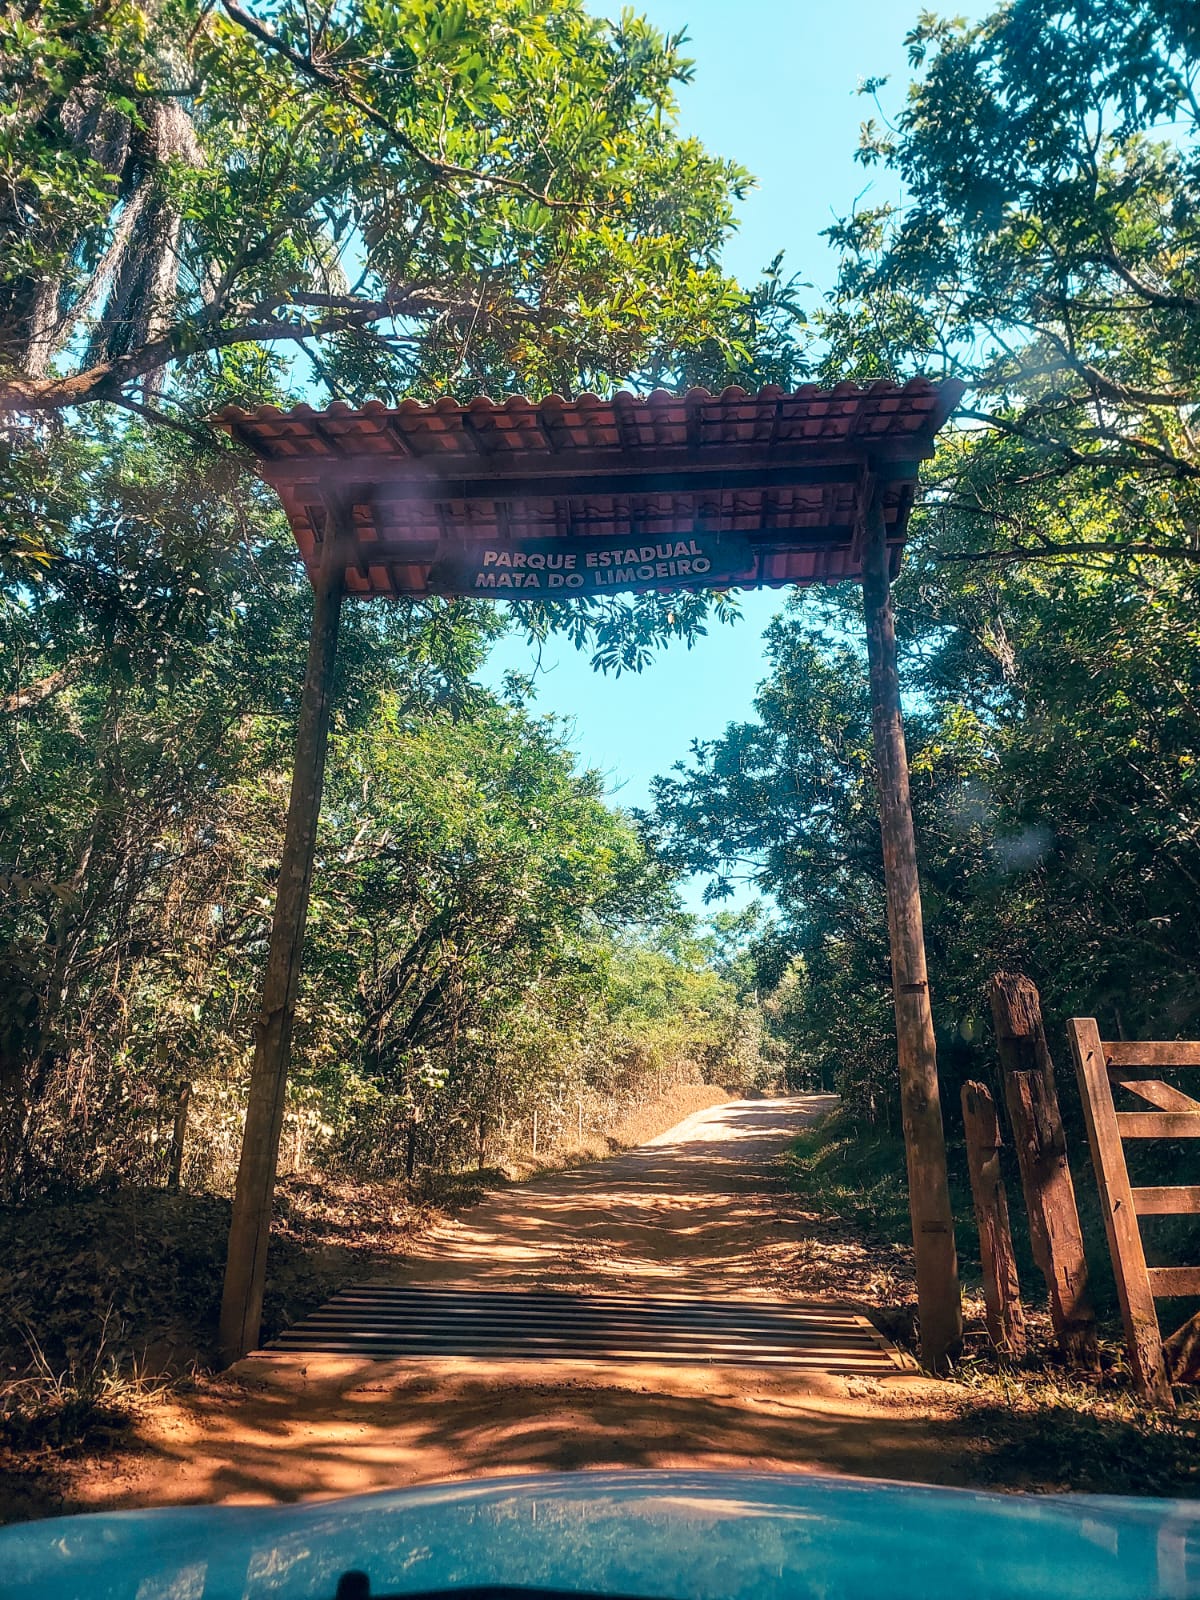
178,1137
250,1228
938,1297
1041,1145
1001,1288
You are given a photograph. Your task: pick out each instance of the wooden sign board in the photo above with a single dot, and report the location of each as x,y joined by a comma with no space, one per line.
566,568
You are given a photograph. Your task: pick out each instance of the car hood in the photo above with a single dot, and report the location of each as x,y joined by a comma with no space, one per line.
667,1535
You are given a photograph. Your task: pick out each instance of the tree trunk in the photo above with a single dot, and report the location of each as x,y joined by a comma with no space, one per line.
246,1267
938,1295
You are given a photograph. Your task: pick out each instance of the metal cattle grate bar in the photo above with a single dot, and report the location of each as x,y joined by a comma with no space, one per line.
387,1322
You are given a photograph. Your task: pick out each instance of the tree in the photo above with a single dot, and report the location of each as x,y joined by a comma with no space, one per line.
1052,729
210,204
470,880
144,721
1046,252
481,919
411,196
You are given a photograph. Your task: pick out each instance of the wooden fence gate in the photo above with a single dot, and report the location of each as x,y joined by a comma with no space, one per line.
1104,1065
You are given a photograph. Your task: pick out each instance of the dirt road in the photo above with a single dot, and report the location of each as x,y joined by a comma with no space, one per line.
694,1212
700,1212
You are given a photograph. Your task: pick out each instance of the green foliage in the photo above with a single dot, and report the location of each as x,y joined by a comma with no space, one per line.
470,877
1052,728
857,1173
470,942
1046,253
667,1007
208,204
413,195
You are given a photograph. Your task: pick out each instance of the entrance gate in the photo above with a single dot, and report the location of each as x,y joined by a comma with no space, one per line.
586,498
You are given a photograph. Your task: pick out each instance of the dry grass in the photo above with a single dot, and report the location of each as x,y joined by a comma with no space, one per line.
86,1403
636,1124
1052,1432
112,1299
134,1276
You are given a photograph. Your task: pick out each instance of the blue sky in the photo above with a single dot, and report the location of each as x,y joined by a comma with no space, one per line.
775,90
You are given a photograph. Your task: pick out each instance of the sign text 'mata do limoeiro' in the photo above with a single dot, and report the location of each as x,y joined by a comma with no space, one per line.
567,568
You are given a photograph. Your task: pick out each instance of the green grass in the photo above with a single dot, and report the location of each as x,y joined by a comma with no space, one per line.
855,1172
859,1173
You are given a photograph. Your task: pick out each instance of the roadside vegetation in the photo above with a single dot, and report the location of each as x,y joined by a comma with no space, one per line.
1030,1424
193,218
201,208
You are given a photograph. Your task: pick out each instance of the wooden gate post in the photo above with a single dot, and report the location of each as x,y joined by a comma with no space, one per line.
249,1233
938,1297
1041,1145
1001,1288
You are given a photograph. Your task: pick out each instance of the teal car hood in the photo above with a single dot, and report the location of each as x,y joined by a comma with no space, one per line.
665,1535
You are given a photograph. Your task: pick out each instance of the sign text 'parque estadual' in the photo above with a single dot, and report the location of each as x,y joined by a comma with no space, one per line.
565,568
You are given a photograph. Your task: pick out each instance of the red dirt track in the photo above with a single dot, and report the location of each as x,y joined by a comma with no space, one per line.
700,1213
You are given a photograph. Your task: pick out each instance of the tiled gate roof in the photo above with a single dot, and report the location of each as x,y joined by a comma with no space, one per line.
787,471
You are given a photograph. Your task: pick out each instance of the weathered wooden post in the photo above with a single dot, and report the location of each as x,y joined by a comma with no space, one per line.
1001,1287
1120,1203
249,1233
938,1296
1041,1145
178,1137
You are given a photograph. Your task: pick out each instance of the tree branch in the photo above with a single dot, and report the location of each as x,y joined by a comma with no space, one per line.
332,80
34,694
1110,388
104,380
190,430
1055,552
1019,428
1158,297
